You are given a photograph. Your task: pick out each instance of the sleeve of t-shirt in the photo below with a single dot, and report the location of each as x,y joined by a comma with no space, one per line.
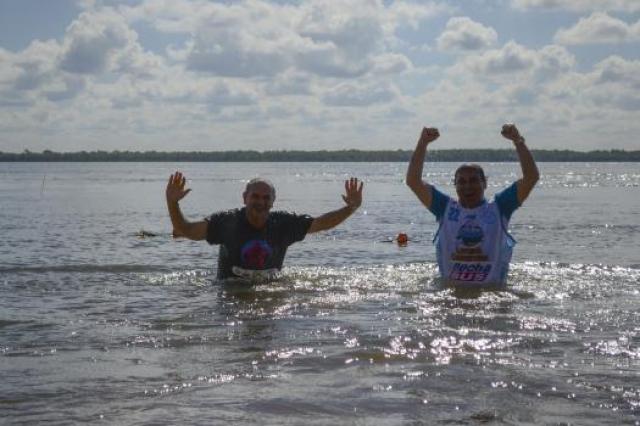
215,227
297,226
507,200
439,202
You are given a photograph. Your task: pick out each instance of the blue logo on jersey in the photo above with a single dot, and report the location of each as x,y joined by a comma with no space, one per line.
255,254
470,233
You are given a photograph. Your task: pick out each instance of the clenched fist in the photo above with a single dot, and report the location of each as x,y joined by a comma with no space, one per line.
510,131
429,134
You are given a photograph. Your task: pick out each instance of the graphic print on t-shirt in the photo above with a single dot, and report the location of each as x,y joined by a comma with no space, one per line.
470,262
255,254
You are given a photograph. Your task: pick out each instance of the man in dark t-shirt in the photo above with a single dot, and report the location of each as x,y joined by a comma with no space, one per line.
246,248
253,238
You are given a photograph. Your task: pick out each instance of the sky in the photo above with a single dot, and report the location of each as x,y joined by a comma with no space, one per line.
204,75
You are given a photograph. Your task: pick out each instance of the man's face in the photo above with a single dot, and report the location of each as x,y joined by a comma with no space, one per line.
258,199
470,187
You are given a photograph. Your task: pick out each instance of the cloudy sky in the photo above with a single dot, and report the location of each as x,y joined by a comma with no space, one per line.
318,74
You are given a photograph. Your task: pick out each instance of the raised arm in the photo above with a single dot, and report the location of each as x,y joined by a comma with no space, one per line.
353,200
414,172
181,227
530,174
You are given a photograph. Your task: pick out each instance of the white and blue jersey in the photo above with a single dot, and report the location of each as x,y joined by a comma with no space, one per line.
473,246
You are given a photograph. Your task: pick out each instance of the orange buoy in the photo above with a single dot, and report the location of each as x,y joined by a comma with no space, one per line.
402,239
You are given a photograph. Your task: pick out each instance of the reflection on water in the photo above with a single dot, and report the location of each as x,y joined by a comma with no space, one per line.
384,342
98,325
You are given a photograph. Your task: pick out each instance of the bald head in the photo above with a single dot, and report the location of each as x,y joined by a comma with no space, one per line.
260,182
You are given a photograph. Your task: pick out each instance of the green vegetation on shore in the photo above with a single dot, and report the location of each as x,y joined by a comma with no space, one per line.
455,155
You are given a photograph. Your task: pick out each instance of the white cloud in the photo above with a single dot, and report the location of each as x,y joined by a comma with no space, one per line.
8,71
412,14
243,40
598,28
512,83
23,74
462,33
580,5
615,69
516,63
92,40
96,43
256,38
289,83
69,87
326,61
552,61
573,110
223,95
391,63
348,94
34,65
170,16
341,44
255,74
614,84
511,58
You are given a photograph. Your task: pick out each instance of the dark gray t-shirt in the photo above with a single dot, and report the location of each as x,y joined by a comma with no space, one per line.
246,247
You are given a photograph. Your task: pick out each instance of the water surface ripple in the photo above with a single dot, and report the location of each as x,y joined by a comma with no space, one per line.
98,325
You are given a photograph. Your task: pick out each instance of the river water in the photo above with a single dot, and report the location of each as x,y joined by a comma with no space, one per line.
98,325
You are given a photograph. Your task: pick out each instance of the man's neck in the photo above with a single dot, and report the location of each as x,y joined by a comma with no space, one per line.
471,205
257,222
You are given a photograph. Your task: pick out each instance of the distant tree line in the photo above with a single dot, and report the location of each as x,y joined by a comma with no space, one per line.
350,155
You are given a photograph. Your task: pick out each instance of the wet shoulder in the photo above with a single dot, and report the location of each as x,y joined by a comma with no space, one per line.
282,216
285,218
225,215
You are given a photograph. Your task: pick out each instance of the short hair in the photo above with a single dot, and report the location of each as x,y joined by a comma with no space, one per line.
256,181
471,166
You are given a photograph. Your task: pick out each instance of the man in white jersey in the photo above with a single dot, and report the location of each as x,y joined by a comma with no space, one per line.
473,246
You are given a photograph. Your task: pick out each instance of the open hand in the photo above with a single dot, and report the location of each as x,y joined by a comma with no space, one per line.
353,196
175,188
510,131
429,134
